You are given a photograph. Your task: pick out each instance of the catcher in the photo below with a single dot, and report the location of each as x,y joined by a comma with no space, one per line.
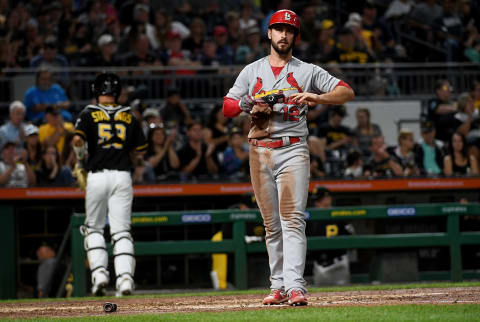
115,142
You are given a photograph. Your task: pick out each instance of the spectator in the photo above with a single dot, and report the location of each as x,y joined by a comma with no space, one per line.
346,50
14,129
194,43
308,24
457,161
423,16
354,164
208,55
403,153
8,53
364,132
362,38
107,52
321,48
14,171
380,163
376,32
236,35
31,44
127,11
46,269
252,50
441,109
49,55
141,14
235,157
162,25
330,266
212,15
173,55
54,130
45,93
141,55
335,140
462,120
78,44
246,19
216,131
51,171
449,30
225,52
151,117
398,9
33,147
161,155
175,113
429,151
196,158
471,44
395,16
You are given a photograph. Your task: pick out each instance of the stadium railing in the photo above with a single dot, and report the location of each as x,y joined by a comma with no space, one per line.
451,238
399,80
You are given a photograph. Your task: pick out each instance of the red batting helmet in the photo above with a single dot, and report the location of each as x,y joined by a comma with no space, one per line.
287,17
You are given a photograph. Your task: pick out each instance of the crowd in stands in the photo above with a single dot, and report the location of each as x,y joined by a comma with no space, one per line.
35,139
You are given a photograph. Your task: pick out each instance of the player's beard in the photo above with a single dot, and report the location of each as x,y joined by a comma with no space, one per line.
282,52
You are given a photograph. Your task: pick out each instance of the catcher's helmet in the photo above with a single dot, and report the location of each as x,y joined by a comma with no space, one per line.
287,17
107,84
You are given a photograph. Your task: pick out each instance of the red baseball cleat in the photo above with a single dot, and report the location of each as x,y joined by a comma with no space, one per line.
297,298
275,297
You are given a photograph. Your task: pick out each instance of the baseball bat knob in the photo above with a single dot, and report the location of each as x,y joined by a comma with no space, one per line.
109,307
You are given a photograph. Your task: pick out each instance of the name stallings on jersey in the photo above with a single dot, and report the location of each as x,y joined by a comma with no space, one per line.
99,116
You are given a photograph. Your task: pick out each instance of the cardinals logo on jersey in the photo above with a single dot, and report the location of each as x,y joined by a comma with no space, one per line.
258,86
293,82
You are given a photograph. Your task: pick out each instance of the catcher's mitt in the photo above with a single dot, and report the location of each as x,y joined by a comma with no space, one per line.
260,114
81,175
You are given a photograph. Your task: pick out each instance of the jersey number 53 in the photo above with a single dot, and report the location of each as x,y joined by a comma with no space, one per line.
105,134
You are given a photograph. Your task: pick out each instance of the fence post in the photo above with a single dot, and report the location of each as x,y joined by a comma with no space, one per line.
78,261
241,276
8,276
453,230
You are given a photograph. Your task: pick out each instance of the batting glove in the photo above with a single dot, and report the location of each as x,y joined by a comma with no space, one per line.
246,103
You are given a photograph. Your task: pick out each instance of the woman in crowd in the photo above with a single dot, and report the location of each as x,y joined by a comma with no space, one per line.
235,157
33,146
404,154
216,131
161,155
51,171
457,161
365,131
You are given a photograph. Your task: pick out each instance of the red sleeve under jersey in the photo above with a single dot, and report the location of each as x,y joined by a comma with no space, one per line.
342,83
230,107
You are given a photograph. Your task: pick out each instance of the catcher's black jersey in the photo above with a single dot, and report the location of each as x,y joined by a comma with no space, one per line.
111,134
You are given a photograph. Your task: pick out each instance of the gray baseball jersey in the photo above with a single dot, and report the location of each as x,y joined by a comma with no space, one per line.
257,79
280,176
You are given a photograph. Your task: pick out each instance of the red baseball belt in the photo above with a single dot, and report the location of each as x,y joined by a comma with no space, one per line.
275,144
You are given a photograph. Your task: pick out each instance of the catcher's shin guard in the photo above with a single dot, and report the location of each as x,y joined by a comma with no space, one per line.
97,255
124,259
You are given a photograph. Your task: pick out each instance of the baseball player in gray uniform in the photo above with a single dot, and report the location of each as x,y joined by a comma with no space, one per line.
276,91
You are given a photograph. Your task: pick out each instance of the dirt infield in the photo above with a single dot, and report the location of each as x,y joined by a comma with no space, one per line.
177,304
